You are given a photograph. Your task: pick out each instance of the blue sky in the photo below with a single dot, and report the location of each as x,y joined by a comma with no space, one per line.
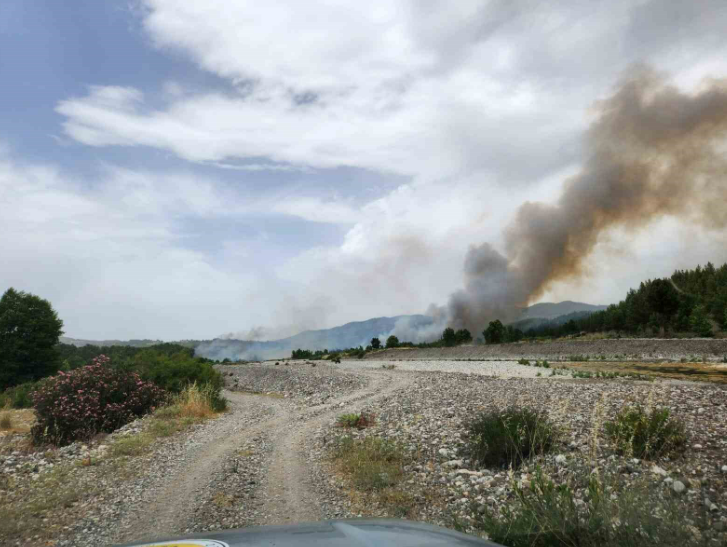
173,169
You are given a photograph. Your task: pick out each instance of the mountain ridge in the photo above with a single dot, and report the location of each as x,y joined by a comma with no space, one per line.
351,334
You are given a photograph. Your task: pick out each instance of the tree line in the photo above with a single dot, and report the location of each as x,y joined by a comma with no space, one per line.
690,301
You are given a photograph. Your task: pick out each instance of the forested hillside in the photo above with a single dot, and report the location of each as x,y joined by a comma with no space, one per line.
690,301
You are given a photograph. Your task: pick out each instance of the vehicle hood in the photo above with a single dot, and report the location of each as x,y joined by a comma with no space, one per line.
330,533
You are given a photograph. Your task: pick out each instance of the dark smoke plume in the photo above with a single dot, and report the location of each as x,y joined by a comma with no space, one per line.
652,151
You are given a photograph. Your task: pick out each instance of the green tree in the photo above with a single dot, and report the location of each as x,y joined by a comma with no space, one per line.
463,336
375,343
392,341
29,331
449,337
699,321
494,333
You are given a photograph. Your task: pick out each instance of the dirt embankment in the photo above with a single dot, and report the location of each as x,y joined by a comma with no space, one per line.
641,349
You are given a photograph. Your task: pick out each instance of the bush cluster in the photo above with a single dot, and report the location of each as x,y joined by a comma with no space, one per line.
646,434
90,400
359,421
19,396
549,514
510,436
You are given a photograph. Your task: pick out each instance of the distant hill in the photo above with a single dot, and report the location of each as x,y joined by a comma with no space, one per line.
550,310
78,342
356,333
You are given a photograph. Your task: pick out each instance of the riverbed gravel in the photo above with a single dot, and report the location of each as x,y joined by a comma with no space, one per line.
494,369
310,383
428,421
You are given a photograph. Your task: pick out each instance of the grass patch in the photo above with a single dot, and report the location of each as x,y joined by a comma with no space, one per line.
359,421
371,463
548,514
646,433
23,516
510,436
133,445
191,406
6,421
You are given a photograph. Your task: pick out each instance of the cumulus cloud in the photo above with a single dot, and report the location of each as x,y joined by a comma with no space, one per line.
480,105
112,254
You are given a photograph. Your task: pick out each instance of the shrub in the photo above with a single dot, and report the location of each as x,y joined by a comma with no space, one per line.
509,436
19,396
549,515
646,434
372,463
392,342
359,421
90,400
523,362
175,372
6,421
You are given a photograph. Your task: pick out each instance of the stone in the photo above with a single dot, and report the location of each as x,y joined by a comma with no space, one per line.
656,470
697,446
678,487
724,469
700,411
443,452
454,463
560,459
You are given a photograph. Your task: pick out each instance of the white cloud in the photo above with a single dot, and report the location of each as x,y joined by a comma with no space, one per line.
110,254
482,105
316,210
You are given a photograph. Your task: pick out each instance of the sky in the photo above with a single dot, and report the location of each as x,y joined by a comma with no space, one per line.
174,170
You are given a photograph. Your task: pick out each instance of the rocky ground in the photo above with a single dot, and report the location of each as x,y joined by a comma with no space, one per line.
493,369
640,349
269,459
428,421
310,383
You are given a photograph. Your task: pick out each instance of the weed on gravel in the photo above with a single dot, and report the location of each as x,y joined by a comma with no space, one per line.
372,463
646,433
510,436
598,512
23,513
359,421
375,467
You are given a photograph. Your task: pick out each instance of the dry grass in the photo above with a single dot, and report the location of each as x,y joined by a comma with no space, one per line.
693,371
16,421
191,406
193,402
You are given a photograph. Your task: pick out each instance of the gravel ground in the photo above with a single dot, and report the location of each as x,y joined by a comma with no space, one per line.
495,369
640,349
267,460
311,383
428,419
223,473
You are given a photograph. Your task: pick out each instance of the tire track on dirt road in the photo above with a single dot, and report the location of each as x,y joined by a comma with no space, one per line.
285,492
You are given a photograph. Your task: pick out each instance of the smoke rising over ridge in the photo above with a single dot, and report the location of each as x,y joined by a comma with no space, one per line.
652,151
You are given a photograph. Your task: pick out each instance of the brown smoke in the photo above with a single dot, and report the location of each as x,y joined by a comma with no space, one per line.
652,151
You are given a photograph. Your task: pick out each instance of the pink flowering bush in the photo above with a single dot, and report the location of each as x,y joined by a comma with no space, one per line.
89,400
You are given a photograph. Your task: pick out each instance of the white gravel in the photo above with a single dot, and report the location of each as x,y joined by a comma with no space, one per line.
494,369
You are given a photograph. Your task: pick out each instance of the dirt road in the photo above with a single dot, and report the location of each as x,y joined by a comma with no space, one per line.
172,504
